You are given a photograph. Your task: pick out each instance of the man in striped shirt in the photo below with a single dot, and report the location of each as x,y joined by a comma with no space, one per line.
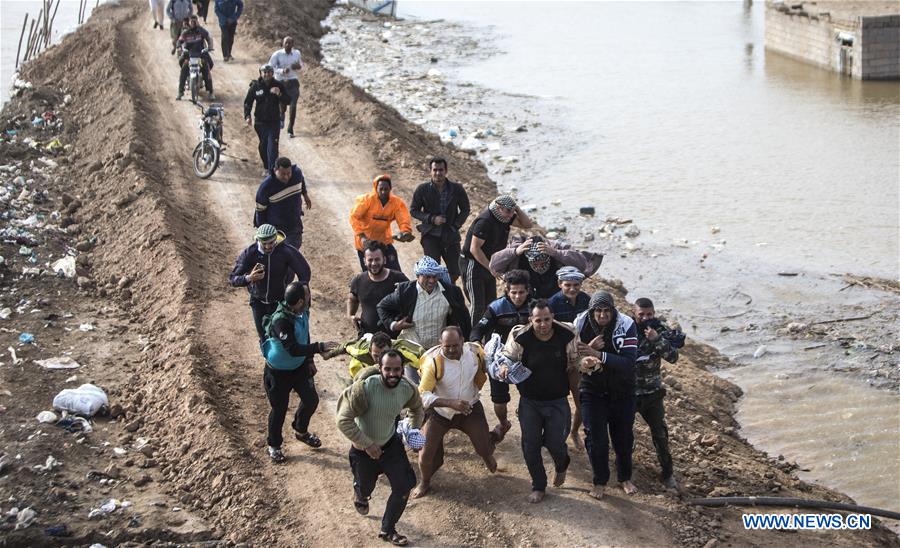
278,201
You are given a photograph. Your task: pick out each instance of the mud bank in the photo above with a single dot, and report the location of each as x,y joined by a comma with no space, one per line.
191,411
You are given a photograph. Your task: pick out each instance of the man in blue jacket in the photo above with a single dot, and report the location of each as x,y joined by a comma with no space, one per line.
290,366
278,201
228,12
263,268
609,341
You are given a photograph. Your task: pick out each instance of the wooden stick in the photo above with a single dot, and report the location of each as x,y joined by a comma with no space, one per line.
839,320
80,11
30,42
46,19
52,19
21,35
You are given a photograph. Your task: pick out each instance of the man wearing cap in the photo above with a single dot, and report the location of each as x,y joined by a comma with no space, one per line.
541,258
566,304
608,341
270,98
371,219
548,349
278,201
500,317
488,234
367,415
420,309
441,206
263,269
656,342
287,65
290,367
452,376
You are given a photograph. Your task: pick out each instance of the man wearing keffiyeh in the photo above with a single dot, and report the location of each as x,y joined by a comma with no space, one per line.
488,234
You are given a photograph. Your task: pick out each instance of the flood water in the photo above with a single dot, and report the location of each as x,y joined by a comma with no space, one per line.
673,115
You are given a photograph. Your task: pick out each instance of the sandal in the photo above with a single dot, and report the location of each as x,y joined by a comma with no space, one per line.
394,538
362,506
276,455
309,439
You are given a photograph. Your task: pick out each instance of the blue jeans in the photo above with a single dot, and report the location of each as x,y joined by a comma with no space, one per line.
268,133
602,414
544,424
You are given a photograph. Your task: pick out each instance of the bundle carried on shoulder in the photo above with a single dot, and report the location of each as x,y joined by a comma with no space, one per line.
516,372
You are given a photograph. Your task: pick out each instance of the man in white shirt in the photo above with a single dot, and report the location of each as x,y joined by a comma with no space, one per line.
287,64
452,376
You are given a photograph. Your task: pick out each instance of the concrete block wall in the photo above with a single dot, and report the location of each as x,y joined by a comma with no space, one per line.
809,39
880,45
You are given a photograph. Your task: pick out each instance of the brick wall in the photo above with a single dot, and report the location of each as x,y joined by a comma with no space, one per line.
880,43
804,37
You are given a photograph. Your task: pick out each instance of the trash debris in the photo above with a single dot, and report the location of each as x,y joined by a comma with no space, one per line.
73,424
86,327
60,362
61,530
47,417
633,231
5,313
587,210
26,338
12,352
65,266
25,518
86,400
48,465
760,352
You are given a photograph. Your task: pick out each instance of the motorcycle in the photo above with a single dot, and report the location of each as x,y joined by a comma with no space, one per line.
209,150
196,66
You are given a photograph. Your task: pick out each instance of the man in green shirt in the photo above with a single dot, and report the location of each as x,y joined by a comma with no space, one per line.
367,415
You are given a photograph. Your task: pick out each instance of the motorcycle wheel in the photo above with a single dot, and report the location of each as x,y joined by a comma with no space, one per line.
193,90
206,159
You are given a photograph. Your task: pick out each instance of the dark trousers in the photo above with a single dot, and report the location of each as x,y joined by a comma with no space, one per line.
391,261
202,8
544,424
293,237
175,28
438,249
393,464
204,73
602,414
268,133
227,38
499,391
651,407
479,285
292,87
259,310
279,384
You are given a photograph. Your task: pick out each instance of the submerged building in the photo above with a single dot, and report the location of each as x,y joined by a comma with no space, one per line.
858,39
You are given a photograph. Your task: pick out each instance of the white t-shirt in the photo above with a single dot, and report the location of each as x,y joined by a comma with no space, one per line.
281,61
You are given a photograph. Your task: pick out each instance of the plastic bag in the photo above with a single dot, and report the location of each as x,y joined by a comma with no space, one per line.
86,400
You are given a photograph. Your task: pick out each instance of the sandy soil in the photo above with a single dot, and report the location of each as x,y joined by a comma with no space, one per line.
175,346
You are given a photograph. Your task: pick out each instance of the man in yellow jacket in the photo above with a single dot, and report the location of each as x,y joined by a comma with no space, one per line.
371,219
452,376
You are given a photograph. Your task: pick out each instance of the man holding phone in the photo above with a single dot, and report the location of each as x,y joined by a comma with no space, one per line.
262,268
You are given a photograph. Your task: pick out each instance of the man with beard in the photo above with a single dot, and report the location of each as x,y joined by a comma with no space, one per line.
452,377
655,341
371,219
368,288
548,349
264,268
270,98
541,258
500,317
608,340
366,414
488,234
278,201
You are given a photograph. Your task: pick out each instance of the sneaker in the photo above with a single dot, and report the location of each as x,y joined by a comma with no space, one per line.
309,439
670,482
212,96
161,27
155,24
276,455
179,97
291,134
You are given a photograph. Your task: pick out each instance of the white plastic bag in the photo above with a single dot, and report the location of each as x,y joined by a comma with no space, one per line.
86,400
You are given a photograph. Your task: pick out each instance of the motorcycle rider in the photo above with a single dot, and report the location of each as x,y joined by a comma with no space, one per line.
193,40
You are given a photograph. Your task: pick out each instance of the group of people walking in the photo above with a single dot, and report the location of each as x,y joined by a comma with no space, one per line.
427,345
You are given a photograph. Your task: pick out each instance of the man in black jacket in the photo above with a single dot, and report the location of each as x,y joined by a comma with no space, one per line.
271,98
418,310
193,40
278,201
263,267
441,206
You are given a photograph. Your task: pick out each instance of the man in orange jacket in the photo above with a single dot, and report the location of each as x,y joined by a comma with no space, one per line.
371,219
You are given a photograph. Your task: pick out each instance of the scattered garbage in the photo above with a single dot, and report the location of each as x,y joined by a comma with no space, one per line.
633,231
588,210
24,518
65,266
86,327
760,352
26,338
12,352
60,362
5,313
47,417
74,424
61,530
48,465
86,400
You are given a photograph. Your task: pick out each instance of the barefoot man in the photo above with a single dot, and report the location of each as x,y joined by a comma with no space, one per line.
452,376
548,349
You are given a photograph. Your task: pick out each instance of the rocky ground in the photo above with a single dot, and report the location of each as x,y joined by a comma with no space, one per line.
149,317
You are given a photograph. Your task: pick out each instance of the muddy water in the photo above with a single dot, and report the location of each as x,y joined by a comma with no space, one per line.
736,165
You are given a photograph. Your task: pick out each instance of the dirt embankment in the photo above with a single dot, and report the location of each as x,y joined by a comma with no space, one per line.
191,416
